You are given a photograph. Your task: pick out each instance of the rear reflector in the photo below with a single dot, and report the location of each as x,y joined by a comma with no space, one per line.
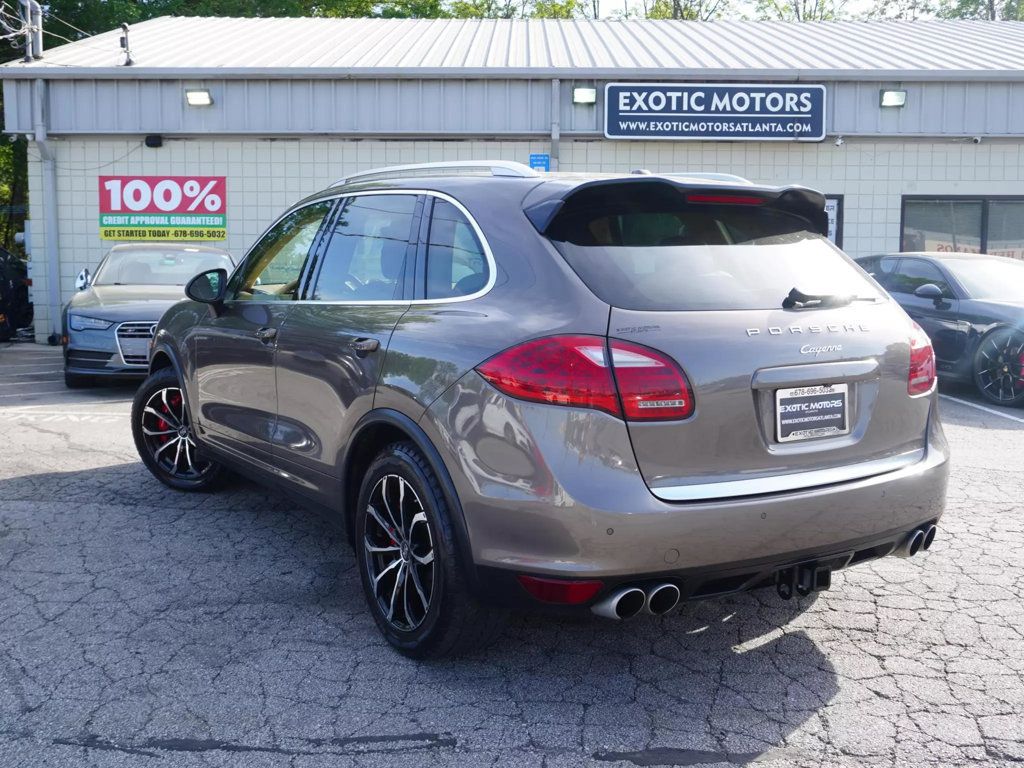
559,590
575,371
725,199
921,377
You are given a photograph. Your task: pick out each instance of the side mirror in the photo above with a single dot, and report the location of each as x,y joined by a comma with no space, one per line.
929,291
83,280
208,287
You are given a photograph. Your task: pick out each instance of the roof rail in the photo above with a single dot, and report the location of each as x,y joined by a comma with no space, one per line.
447,168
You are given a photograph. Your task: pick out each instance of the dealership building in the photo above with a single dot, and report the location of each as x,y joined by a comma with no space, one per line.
205,129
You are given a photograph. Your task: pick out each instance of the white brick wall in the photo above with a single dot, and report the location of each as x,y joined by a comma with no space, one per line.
265,176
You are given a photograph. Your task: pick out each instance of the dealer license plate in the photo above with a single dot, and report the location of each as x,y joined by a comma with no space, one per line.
802,413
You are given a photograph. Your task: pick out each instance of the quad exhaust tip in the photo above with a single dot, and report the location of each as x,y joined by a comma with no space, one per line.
627,602
919,540
661,599
621,604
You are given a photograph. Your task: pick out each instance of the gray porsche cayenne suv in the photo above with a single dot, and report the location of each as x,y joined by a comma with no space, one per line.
571,393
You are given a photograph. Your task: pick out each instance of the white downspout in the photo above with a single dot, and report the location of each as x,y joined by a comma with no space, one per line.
37,28
54,302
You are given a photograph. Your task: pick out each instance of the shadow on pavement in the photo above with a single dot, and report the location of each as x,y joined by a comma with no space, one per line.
143,618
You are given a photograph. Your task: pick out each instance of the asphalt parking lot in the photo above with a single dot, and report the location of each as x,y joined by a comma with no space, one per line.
143,627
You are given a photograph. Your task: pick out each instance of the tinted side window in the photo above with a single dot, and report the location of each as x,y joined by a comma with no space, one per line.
879,267
456,265
366,256
913,273
273,266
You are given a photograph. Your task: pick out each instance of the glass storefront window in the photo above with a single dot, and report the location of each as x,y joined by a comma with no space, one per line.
970,225
1006,228
942,225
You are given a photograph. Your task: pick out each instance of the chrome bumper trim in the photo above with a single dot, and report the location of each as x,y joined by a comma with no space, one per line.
793,481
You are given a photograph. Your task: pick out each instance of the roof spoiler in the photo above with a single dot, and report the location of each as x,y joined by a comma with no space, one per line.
801,201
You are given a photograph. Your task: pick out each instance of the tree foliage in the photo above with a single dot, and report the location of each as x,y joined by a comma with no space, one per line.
687,10
801,10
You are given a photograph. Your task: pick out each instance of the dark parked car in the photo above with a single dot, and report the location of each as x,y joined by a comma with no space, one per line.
972,307
109,323
604,393
15,306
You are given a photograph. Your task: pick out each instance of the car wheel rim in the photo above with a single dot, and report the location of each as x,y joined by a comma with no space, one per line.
399,552
168,435
1001,368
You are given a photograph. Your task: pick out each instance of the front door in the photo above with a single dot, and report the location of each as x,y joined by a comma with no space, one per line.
236,346
332,347
939,319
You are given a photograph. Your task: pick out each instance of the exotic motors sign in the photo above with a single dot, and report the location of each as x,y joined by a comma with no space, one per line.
715,112
163,207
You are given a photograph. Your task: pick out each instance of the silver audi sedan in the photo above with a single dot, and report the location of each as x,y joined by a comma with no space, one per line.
109,322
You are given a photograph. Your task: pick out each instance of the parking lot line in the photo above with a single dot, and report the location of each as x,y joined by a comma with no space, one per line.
57,364
76,403
35,372
993,411
35,391
28,383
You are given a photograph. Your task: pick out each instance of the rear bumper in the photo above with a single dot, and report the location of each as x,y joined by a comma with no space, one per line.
501,585
554,492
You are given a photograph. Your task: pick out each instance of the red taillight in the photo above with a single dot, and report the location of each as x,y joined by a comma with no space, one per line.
574,371
559,590
921,377
651,385
562,370
725,199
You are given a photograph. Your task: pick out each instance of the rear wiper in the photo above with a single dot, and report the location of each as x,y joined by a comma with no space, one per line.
797,299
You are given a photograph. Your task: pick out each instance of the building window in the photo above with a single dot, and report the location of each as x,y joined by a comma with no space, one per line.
964,224
1006,228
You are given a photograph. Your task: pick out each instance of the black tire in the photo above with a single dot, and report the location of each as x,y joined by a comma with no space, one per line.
164,439
999,367
453,621
77,381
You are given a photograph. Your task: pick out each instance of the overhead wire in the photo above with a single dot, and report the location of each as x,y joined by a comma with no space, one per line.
79,30
6,19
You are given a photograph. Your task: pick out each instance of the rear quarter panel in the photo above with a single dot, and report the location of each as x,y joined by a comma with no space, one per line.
536,294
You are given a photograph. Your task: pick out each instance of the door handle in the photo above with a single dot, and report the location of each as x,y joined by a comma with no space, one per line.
266,334
365,346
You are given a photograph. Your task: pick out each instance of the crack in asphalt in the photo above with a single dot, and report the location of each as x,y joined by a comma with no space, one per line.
674,756
138,623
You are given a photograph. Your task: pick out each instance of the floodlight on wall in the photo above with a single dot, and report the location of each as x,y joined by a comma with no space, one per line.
198,97
892,98
584,95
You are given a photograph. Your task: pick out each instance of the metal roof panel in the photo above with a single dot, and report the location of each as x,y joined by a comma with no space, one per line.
415,48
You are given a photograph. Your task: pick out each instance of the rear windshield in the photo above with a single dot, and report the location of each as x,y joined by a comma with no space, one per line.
661,253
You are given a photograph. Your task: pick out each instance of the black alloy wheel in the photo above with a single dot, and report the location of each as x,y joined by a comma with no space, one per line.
411,567
999,367
164,437
399,551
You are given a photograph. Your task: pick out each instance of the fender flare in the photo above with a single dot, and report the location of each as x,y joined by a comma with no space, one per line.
162,348
398,420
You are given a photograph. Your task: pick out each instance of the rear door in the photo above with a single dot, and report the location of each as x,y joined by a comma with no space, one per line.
235,347
331,349
784,398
